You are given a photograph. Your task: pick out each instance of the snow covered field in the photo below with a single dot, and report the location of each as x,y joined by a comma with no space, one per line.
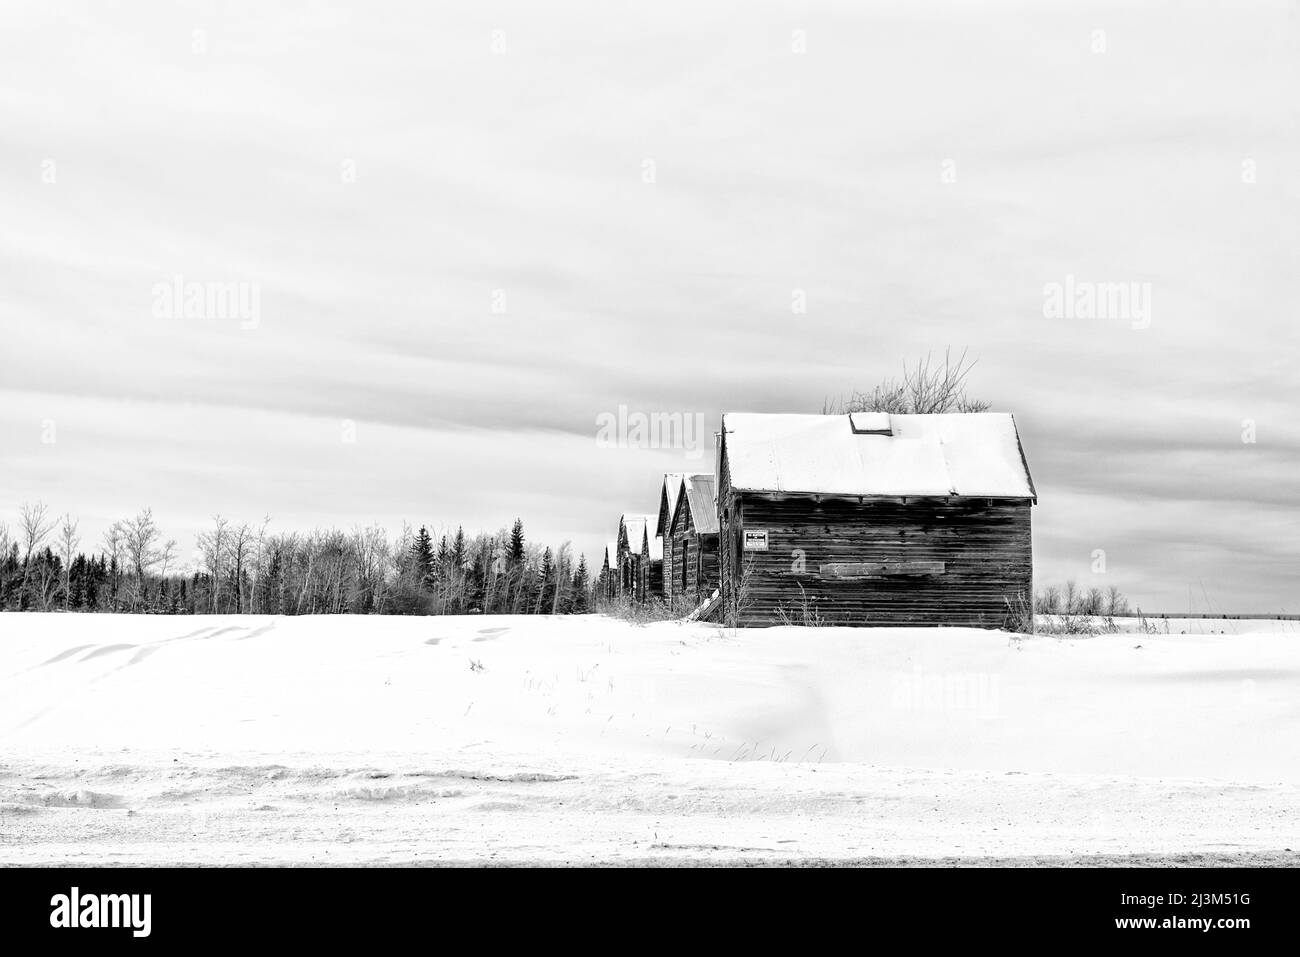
158,740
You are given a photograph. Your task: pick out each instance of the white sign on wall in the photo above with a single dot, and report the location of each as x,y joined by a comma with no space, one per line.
755,539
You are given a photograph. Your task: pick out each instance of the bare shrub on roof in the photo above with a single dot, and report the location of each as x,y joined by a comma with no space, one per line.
930,387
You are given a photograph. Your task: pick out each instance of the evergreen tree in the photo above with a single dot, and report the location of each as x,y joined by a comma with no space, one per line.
580,598
9,577
422,557
457,598
544,590
475,590
444,557
113,574
458,551
442,575
515,555
90,594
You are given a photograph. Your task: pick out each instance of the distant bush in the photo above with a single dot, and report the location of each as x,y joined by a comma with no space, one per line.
802,612
1020,615
638,612
1069,599
1046,616
408,597
1078,626
1147,626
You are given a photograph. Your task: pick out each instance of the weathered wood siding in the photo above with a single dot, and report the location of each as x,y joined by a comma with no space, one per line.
629,574
666,573
685,578
700,555
650,583
728,532
690,550
704,568
679,563
670,584
628,560
965,558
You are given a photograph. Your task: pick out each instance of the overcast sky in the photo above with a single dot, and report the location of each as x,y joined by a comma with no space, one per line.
476,228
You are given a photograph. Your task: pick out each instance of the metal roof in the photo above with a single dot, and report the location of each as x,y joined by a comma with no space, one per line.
701,500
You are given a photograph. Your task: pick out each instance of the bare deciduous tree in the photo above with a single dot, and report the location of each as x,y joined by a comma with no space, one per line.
112,544
1070,598
166,555
1049,601
140,537
213,546
929,388
563,560
68,542
244,543
370,546
34,525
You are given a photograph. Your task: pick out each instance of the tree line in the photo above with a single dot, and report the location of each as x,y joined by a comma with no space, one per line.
1070,599
244,568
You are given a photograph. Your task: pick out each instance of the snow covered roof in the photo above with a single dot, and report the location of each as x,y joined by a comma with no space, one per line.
668,499
656,548
974,454
635,528
702,503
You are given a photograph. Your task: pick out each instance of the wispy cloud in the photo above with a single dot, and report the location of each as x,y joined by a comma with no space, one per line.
471,243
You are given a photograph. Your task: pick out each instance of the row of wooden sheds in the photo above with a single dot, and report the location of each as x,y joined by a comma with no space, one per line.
671,554
864,518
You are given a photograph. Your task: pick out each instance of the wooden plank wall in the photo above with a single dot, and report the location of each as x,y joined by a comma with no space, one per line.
654,580
984,547
703,569
670,585
728,532
679,550
688,549
708,581
650,583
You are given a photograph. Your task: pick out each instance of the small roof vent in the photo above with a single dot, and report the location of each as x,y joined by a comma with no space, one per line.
870,423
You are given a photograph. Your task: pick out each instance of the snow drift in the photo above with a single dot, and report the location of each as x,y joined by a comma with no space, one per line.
394,739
